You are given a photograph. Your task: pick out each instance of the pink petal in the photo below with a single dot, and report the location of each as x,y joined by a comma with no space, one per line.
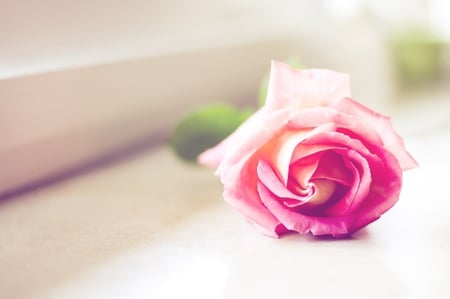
255,133
360,188
323,192
323,188
299,89
302,170
278,152
336,226
332,167
319,115
213,156
383,126
336,140
268,177
386,178
237,167
304,150
358,159
245,199
385,189
275,232
242,195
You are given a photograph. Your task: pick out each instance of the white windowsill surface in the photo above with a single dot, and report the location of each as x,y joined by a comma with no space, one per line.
154,227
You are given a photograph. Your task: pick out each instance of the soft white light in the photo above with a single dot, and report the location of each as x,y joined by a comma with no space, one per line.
197,277
342,9
439,20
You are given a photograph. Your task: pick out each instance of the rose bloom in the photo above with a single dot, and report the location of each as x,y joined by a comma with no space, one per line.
312,159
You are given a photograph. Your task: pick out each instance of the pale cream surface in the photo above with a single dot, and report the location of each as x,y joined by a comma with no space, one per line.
154,227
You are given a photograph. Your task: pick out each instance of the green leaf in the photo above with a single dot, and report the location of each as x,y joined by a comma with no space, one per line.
205,128
417,55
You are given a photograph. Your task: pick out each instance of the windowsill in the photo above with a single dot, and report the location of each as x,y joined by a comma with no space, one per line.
53,122
140,227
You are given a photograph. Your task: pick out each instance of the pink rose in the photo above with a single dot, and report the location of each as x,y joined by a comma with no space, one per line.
312,159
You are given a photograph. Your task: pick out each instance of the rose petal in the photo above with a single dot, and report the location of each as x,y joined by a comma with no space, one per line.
213,156
323,191
385,189
299,89
386,178
267,176
336,140
253,134
336,226
332,167
304,150
278,152
302,170
276,232
353,151
242,195
383,126
318,115
358,191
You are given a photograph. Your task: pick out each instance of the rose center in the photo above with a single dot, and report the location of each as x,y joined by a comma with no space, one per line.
315,192
322,191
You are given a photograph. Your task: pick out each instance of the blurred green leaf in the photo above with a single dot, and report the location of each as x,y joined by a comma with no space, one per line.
418,55
208,125
205,128
293,61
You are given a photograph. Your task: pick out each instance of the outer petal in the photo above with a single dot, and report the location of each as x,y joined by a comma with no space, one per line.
237,168
299,89
385,189
383,126
336,226
241,194
253,134
213,156
318,115
256,213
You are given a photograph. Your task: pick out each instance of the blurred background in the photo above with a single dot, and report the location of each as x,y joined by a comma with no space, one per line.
81,81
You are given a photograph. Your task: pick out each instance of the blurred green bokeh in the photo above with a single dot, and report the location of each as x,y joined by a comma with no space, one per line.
205,128
417,55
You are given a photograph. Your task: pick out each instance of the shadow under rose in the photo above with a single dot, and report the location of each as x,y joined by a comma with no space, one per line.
362,234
